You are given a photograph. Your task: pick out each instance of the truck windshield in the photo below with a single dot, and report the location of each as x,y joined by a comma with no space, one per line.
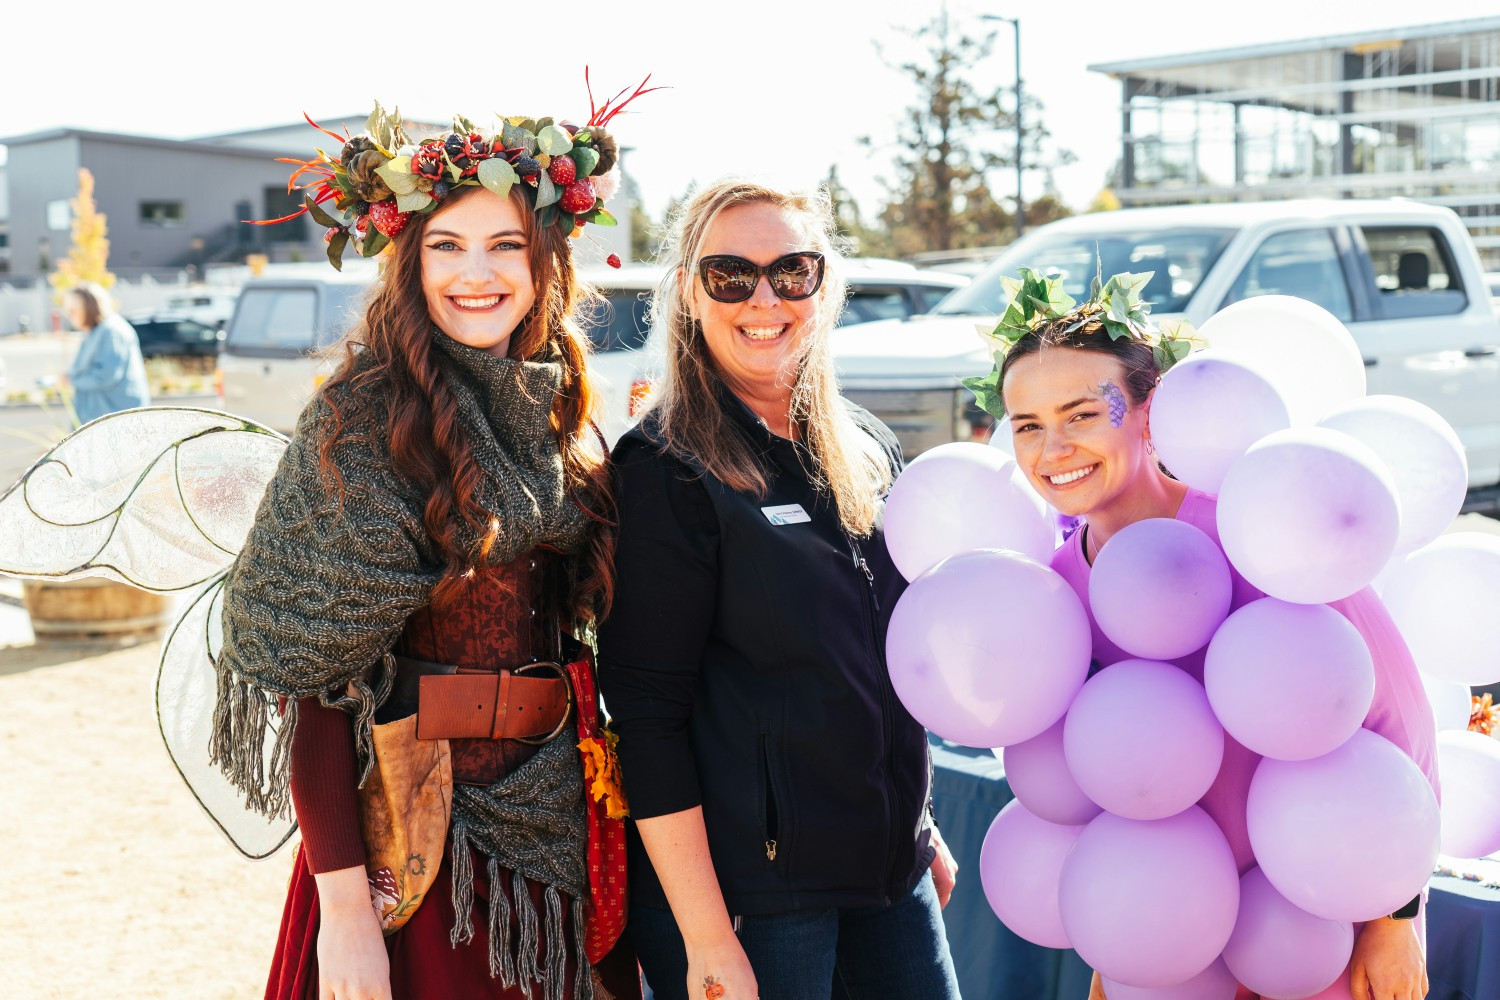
1178,258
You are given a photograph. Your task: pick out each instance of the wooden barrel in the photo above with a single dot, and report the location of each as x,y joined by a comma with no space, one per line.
94,610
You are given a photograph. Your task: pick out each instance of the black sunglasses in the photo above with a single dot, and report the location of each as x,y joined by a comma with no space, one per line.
727,278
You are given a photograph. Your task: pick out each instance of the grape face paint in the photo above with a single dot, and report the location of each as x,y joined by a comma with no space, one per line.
1116,398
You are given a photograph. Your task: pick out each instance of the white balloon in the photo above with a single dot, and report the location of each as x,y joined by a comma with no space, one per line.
1001,438
1452,702
1422,452
963,496
1469,773
1309,355
1308,515
1207,411
1444,600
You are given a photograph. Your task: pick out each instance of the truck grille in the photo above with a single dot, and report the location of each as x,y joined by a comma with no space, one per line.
920,418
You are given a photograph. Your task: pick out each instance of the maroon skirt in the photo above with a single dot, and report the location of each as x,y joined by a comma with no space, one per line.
424,965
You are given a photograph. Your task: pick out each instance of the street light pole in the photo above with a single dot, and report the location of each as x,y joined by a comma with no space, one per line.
1015,22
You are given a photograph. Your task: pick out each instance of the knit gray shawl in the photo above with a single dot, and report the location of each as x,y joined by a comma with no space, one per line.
325,584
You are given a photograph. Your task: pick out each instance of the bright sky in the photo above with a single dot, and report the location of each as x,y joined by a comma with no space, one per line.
775,90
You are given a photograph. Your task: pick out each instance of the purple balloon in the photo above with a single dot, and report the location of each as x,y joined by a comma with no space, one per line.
1469,774
1309,515
1207,411
1038,774
1351,835
1290,681
988,648
1150,904
1161,564
1342,989
1142,741
1280,951
1213,983
1019,866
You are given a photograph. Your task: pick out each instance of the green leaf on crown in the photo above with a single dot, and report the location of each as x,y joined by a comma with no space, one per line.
986,390
546,216
374,243
541,123
546,191
497,175
599,217
398,176
321,217
516,135
413,201
336,249
583,136
554,140
585,158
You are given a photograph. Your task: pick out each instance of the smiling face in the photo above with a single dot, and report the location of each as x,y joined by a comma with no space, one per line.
1072,439
476,270
757,344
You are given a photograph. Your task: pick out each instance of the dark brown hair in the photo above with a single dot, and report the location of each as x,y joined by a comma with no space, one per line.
405,387
1136,358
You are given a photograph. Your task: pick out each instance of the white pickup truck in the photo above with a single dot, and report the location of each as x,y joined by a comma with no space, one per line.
1404,277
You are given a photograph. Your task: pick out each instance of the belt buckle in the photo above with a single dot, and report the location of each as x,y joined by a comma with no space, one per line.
562,674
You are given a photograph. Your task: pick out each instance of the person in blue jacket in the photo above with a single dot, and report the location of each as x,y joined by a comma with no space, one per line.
108,373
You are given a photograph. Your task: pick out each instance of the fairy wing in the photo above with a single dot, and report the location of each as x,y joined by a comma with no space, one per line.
161,498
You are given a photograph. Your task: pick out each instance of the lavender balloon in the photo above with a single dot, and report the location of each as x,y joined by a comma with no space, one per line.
1310,825
1423,454
1150,904
1142,741
1308,515
1019,866
1469,774
1168,566
1443,598
1290,681
1038,774
1452,702
963,496
1280,951
988,648
1207,411
1342,989
1213,983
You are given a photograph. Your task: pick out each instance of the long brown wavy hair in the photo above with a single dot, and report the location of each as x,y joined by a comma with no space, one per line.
403,389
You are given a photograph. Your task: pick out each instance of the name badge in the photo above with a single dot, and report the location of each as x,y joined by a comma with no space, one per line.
791,513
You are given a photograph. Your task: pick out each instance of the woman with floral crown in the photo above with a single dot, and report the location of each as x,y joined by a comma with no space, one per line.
399,664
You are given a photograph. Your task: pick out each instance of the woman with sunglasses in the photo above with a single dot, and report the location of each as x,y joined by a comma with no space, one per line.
778,786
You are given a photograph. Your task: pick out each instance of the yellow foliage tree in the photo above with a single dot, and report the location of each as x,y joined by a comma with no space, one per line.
87,259
1105,201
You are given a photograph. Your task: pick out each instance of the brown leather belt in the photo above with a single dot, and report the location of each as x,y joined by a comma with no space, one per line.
531,703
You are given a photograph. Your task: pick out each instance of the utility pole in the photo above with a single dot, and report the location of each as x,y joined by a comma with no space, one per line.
1015,22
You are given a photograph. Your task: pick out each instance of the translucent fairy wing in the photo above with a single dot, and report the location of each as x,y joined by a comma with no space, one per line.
185,693
160,497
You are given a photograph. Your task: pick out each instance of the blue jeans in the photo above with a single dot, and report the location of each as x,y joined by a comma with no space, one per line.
875,953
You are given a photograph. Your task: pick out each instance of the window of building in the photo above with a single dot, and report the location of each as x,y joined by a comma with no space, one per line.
1414,272
59,215
161,214
1304,263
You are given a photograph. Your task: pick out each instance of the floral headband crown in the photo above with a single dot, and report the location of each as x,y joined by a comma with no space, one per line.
1114,307
380,177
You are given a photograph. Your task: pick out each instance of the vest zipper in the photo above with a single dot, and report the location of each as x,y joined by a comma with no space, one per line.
771,823
886,711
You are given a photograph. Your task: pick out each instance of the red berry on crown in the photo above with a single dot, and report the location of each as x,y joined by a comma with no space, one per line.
613,260
578,197
387,219
562,170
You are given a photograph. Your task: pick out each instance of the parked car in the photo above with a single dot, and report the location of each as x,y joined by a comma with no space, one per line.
173,335
275,347
209,305
1404,277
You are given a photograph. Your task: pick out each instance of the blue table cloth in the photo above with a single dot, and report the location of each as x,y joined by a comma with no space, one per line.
969,789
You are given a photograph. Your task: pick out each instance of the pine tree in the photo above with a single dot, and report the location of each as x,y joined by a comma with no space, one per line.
88,258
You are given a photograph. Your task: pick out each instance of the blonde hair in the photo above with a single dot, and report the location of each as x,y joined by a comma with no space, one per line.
847,462
95,302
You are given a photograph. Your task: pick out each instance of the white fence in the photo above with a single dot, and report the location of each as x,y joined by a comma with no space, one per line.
31,306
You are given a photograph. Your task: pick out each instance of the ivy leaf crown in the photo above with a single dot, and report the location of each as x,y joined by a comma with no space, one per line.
1114,307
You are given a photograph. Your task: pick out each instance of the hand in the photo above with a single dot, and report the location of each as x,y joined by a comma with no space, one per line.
1388,962
725,962
352,960
944,869
1096,988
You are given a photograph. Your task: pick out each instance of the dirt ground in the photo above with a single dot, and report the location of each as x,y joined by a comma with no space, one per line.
119,886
